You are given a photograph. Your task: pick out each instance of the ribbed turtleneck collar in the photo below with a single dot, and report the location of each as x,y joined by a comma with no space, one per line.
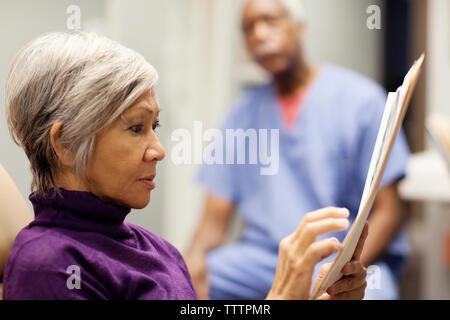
80,211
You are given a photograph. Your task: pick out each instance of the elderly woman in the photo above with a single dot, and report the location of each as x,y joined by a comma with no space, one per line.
84,110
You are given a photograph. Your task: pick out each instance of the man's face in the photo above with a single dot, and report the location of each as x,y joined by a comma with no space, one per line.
271,35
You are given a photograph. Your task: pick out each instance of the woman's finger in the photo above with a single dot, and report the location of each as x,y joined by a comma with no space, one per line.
320,250
348,283
310,231
356,294
325,267
325,296
329,212
323,272
353,268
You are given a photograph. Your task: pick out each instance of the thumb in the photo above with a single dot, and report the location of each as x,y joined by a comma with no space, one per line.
324,269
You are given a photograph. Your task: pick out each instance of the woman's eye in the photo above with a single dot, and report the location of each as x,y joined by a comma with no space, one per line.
137,128
156,125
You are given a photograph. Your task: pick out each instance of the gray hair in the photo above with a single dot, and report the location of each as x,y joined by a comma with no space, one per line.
85,80
294,9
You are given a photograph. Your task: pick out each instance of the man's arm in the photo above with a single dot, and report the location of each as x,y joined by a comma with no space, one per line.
210,234
385,220
214,224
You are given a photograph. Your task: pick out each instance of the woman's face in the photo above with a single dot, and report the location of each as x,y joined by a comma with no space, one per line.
123,166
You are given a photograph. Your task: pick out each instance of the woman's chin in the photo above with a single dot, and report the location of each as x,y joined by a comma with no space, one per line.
140,203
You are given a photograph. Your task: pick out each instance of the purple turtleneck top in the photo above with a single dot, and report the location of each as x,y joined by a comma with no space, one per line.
77,247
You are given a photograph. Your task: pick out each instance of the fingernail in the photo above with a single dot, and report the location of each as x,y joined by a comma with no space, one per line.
345,210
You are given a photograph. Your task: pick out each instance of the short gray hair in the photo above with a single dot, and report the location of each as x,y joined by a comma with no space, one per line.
294,9
85,80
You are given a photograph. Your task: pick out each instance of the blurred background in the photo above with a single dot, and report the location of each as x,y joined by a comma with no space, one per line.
197,48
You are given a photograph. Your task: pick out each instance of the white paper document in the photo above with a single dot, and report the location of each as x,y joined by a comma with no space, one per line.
394,113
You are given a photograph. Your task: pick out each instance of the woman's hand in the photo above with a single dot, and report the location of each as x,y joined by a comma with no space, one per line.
352,286
196,263
299,252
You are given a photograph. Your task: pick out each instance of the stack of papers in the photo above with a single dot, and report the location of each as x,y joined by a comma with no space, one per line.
394,113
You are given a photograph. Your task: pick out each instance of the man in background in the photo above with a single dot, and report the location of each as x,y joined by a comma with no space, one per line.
328,119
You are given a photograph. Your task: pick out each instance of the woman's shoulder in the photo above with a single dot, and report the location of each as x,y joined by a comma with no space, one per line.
36,248
46,263
145,237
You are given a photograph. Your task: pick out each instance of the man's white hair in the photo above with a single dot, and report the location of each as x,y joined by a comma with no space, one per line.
294,9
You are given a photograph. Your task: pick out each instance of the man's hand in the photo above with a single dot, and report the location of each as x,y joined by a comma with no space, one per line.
352,286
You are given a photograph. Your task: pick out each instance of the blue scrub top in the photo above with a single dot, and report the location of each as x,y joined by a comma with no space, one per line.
324,159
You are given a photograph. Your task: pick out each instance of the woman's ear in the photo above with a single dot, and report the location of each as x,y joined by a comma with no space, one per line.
61,153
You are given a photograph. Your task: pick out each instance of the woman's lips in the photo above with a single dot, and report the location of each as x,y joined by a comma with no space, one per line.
149,182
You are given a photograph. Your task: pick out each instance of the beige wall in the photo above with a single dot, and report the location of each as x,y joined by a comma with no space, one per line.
438,56
20,22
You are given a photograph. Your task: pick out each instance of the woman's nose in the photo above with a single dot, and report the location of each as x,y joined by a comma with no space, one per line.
154,152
